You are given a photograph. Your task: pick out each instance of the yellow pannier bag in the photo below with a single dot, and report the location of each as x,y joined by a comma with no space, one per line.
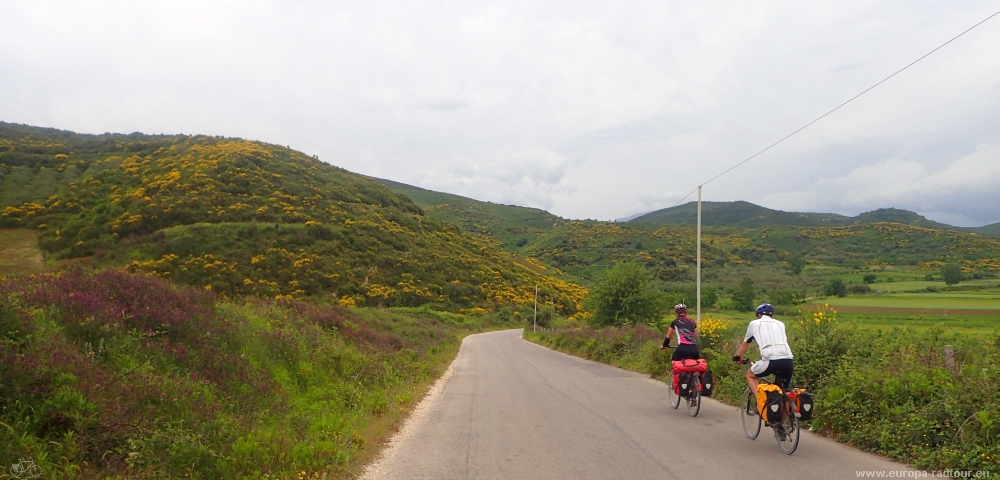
767,393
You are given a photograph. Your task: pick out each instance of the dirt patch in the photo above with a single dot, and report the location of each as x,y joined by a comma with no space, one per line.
19,252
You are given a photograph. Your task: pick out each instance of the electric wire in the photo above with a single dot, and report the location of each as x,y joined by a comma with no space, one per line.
786,137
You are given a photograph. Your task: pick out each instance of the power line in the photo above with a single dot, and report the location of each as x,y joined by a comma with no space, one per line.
786,137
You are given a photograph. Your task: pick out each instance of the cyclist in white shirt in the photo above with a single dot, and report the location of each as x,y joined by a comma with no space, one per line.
775,354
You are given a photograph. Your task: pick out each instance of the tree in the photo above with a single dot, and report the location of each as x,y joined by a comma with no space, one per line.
689,297
744,295
870,278
951,273
709,296
795,262
624,298
784,297
836,287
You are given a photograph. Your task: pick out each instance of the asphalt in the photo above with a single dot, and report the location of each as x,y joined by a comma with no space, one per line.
510,409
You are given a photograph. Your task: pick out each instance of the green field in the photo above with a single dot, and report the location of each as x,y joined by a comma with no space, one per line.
971,307
932,301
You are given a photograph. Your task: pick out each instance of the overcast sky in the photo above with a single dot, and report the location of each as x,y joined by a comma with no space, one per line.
586,109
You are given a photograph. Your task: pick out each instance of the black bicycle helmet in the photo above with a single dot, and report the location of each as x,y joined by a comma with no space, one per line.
765,309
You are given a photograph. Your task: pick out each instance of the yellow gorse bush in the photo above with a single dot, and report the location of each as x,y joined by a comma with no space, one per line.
711,331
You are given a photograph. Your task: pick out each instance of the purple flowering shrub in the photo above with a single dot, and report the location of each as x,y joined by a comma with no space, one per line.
111,373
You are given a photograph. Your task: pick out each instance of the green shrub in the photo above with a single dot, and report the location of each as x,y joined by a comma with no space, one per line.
624,297
744,295
951,273
836,287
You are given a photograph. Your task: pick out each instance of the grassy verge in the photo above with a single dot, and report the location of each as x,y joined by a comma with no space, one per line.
888,392
19,252
128,376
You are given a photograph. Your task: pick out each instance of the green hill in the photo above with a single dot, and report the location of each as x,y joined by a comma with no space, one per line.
747,215
992,230
738,214
244,217
741,239
511,225
905,217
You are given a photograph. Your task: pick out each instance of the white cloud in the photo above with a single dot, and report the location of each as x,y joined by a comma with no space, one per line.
591,109
964,189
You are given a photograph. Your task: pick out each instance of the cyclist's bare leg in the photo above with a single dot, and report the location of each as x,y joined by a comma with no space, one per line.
752,381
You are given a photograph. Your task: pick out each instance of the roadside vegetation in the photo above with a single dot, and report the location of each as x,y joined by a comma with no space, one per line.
114,374
887,392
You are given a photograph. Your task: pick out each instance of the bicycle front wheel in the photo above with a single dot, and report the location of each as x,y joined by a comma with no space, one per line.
787,432
749,414
675,400
694,397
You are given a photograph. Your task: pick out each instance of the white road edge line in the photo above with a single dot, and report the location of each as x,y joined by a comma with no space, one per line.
376,469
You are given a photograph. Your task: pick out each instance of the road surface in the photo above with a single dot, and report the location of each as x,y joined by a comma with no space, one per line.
515,410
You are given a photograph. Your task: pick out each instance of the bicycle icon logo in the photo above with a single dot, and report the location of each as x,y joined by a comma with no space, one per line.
25,469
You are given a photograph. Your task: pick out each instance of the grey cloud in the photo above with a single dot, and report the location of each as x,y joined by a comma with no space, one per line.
593,110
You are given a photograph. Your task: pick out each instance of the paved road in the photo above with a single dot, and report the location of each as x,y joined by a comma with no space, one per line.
512,409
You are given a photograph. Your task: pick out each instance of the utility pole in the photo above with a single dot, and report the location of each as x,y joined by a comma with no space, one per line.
698,274
534,323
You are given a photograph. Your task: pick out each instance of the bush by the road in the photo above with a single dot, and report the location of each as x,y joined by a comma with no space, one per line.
624,297
889,393
117,375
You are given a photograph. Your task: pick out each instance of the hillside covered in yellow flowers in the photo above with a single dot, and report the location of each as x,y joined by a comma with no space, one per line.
243,217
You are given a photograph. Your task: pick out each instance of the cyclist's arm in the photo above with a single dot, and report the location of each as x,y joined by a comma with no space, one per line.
666,339
743,347
747,340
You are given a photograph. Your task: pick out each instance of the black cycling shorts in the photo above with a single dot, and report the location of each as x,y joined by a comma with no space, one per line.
781,369
686,350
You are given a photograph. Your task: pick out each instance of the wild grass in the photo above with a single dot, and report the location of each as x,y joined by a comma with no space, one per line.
118,375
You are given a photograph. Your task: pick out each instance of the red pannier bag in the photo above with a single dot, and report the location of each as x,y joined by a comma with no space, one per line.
690,365
687,366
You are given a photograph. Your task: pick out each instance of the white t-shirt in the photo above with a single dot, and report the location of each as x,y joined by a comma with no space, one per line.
770,337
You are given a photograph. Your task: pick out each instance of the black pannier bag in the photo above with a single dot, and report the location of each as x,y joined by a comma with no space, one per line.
772,407
707,384
804,400
685,384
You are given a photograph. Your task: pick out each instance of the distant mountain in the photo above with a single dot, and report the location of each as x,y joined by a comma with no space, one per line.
905,217
741,235
512,225
747,215
992,230
739,214
631,217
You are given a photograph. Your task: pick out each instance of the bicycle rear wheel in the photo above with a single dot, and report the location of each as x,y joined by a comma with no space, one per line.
787,432
694,397
675,400
749,414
